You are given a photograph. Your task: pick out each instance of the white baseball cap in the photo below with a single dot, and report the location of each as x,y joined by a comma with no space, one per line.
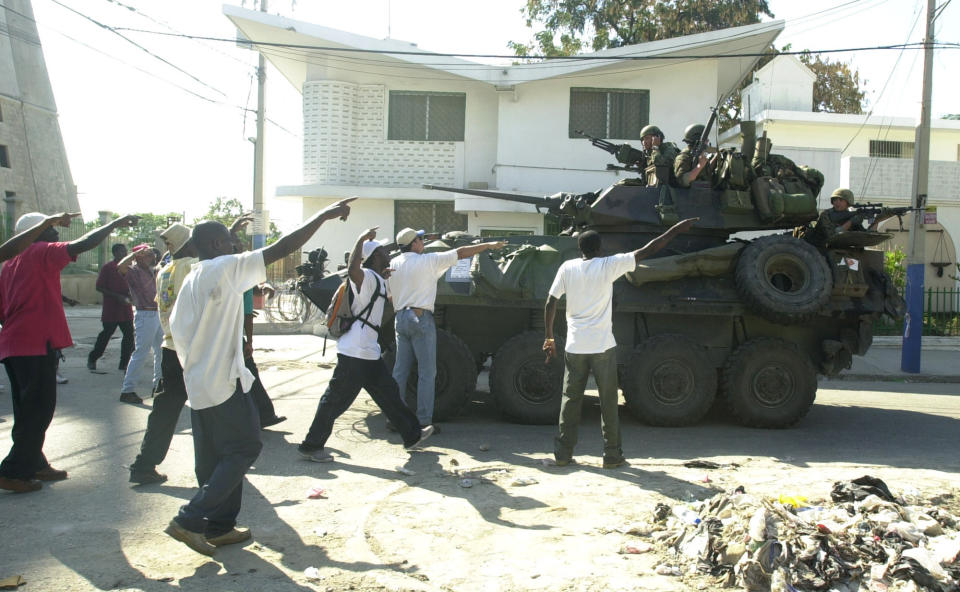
28,221
407,236
369,247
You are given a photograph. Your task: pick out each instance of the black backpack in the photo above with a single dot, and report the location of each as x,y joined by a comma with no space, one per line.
339,316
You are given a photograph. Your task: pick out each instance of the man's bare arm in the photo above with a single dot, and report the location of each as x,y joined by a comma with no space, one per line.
292,242
95,237
549,314
355,269
664,239
19,243
471,250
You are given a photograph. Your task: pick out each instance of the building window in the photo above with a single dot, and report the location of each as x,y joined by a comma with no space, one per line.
608,112
426,116
4,157
887,149
432,216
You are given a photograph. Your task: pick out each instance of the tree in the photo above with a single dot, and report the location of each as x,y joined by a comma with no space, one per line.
147,231
599,24
227,210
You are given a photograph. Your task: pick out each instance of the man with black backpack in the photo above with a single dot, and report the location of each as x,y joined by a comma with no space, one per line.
358,355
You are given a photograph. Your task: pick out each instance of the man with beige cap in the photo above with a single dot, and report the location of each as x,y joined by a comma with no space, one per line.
162,422
413,284
34,329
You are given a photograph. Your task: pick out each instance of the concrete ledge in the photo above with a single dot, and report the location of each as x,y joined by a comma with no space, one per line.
899,377
929,343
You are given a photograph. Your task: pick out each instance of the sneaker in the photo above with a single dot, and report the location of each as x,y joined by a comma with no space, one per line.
272,421
424,434
146,476
237,535
615,462
50,474
194,540
553,462
131,398
318,455
61,379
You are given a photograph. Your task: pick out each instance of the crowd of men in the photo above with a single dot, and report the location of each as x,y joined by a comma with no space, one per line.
195,313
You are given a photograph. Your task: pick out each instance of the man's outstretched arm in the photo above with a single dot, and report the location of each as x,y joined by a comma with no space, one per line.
19,243
293,241
471,250
95,237
664,239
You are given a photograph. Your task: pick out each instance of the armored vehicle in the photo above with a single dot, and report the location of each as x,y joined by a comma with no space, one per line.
749,321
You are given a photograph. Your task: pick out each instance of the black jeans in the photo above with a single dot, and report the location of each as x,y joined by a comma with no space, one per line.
351,375
33,385
259,394
162,421
226,442
126,344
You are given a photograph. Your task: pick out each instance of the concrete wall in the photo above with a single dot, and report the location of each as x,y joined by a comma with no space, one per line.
81,287
784,83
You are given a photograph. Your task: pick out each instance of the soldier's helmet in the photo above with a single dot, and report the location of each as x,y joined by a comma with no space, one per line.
651,130
692,133
844,194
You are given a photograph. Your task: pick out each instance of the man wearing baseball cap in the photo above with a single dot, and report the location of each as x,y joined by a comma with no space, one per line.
142,280
413,284
169,401
34,328
359,365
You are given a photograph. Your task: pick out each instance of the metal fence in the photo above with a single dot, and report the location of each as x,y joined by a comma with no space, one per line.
941,315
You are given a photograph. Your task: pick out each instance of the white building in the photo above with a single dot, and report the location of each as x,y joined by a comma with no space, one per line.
381,124
871,155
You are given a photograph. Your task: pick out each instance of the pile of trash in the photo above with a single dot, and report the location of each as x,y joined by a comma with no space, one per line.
865,540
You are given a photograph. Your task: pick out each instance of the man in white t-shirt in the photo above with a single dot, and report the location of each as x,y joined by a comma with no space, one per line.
413,284
206,323
590,346
358,357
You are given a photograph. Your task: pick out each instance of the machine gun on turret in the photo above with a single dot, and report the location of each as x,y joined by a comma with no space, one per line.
624,153
873,213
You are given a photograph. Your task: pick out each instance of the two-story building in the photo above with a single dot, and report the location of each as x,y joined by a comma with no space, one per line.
382,117
870,154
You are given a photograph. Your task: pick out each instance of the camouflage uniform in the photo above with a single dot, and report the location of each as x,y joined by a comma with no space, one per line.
683,164
830,220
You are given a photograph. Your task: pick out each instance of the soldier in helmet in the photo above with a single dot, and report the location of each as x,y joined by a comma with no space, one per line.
777,166
684,169
839,218
659,153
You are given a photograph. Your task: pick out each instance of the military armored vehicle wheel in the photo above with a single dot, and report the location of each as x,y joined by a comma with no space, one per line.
456,376
669,381
527,390
784,279
768,383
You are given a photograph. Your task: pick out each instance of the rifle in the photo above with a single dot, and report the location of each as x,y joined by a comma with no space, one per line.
701,144
871,211
629,154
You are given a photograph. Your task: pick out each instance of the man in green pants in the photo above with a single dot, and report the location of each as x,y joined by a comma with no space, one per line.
588,285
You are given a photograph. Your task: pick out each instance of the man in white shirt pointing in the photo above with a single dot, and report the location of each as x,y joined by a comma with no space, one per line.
413,284
588,285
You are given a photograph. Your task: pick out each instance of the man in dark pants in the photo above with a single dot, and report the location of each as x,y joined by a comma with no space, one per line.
116,312
358,357
207,328
162,422
34,328
588,284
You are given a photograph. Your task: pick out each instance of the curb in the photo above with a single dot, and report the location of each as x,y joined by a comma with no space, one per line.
907,378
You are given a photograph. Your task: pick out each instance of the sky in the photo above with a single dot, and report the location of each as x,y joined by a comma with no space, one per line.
170,136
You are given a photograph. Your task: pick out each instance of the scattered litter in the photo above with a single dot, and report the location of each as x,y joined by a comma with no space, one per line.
522,481
701,464
454,463
706,479
12,582
320,531
312,573
404,470
317,493
867,539
668,570
636,549
467,483
484,447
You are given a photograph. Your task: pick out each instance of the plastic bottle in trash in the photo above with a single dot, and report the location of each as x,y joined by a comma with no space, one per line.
686,514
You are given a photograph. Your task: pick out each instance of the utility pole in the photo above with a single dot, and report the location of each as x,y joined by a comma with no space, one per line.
259,222
913,324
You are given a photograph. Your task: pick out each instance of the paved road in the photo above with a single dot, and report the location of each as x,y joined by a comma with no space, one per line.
381,530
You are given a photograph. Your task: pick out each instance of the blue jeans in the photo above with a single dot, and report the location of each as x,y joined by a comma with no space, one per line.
417,340
226,442
147,334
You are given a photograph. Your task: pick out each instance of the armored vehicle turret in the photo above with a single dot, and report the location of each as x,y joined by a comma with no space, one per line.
749,321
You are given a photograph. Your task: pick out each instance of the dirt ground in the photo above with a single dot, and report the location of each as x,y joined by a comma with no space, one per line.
519,526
